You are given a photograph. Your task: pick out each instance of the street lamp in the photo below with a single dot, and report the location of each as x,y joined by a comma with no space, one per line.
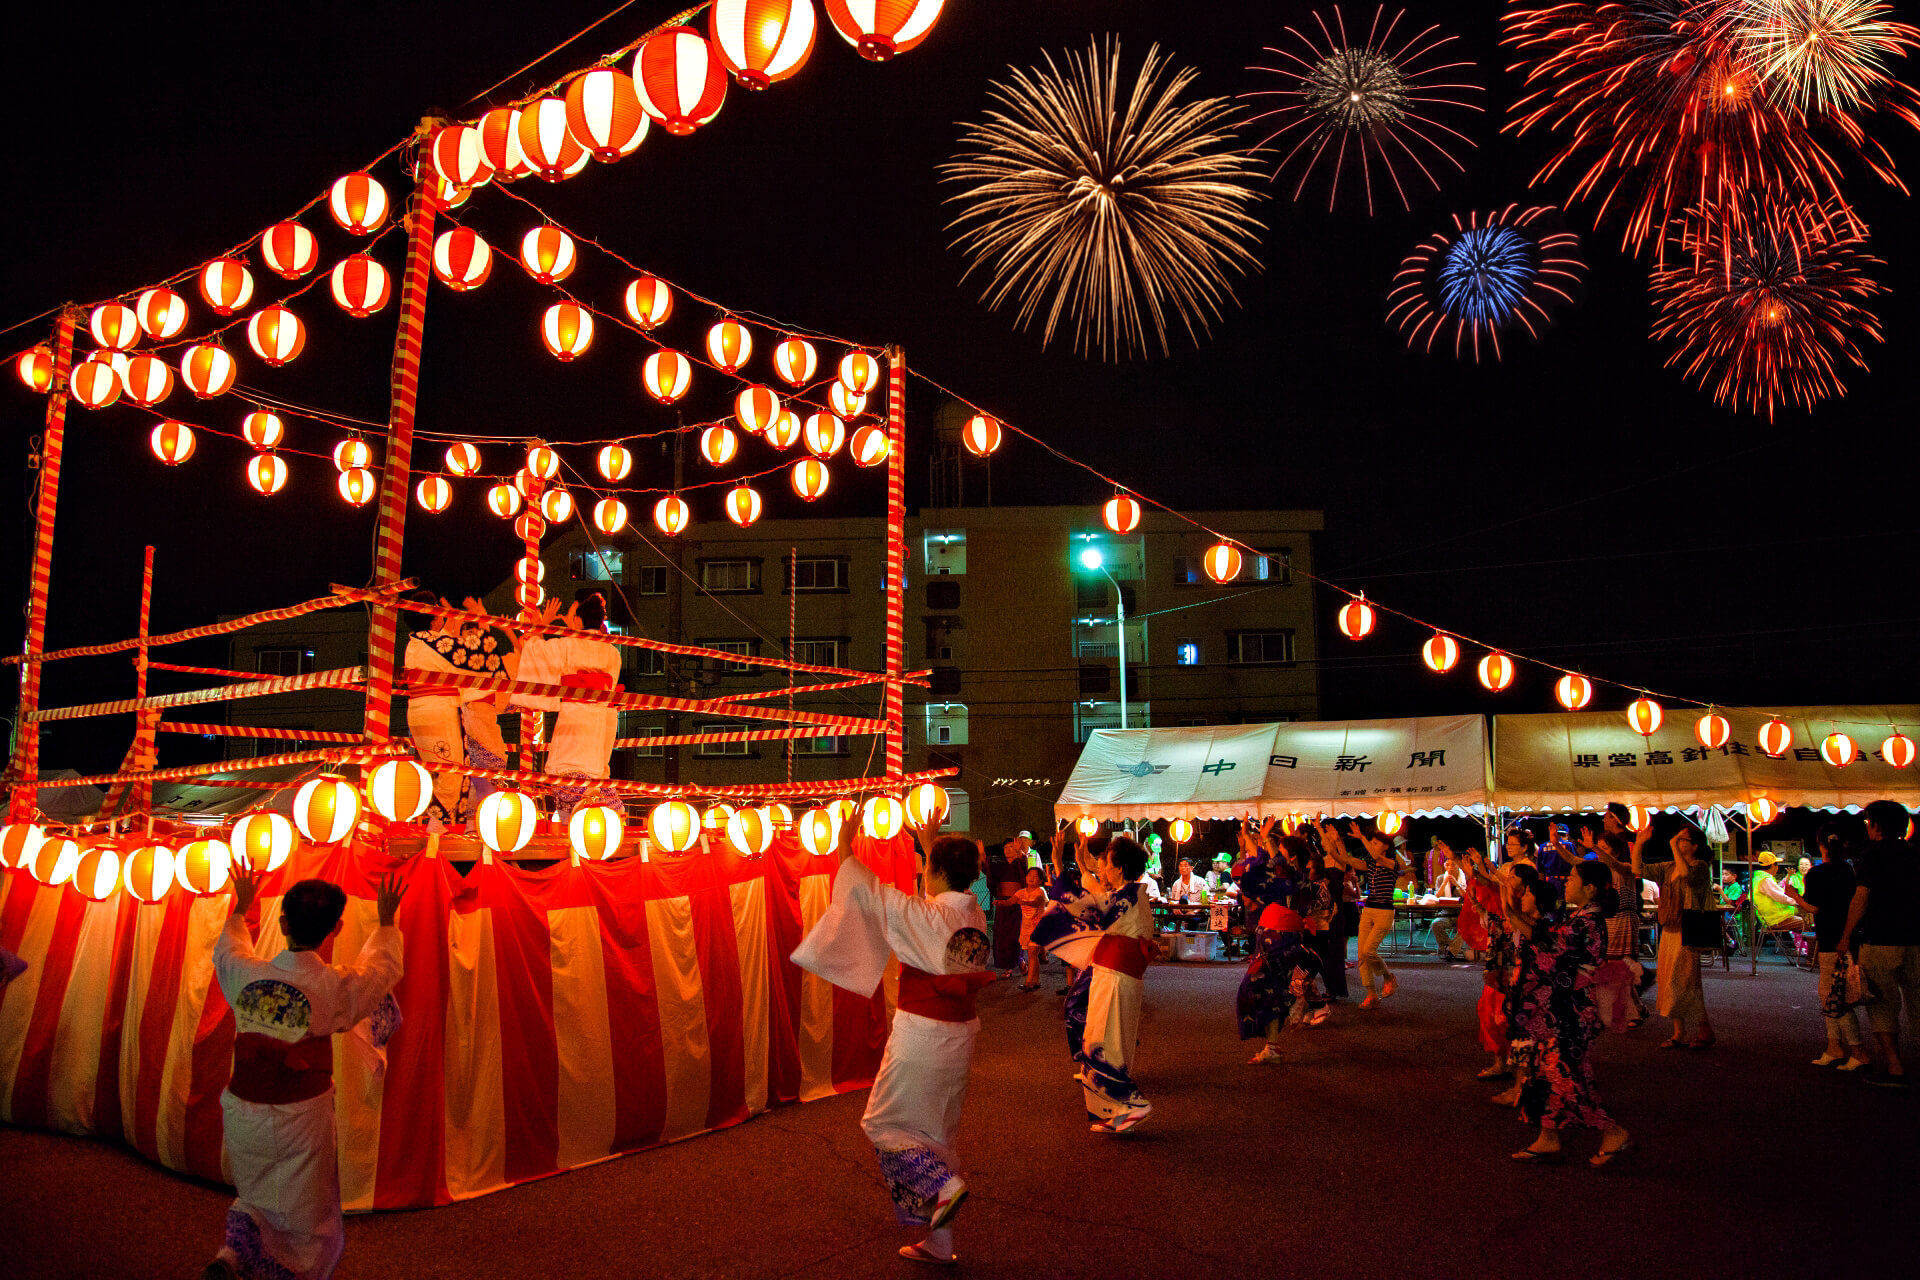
1091,558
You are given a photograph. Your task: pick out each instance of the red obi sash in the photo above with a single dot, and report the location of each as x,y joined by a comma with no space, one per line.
1281,919
1122,954
599,681
272,1071
943,997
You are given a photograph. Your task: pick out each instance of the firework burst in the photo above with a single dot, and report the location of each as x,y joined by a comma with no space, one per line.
1108,203
1828,55
1768,310
1365,102
1491,273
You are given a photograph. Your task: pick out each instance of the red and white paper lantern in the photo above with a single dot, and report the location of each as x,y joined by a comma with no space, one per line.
761,41
604,115
462,260
649,302
361,286
289,250
276,335
226,284
879,29
682,84
358,203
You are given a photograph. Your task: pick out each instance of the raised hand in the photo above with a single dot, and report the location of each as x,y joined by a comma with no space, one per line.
386,897
246,886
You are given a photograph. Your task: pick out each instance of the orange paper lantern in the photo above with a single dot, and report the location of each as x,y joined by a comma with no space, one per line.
203,867
266,473
1573,691
595,831
982,435
289,250
460,156
1776,738
742,505
434,494
755,408
882,817
1839,749
795,361
567,329
1356,618
357,486
276,335
825,434
400,789
361,286
114,326
879,29
1222,562
729,345
649,302
1712,731
463,459
666,375
352,452
681,83
462,260
859,372
546,142
810,478
718,445
358,203
1644,716
1441,653
162,312
95,383
226,284
1122,515
870,446
604,115
674,826
761,41
818,831
207,370
147,380
507,820
504,501
784,430
263,430
1761,811
609,515
848,404
1897,750
173,442
548,254
97,873
750,832
614,462
34,368
500,142
1496,671
927,803
671,514
147,873
557,506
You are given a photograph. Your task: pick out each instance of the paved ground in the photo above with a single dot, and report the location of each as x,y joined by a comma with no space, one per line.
1371,1152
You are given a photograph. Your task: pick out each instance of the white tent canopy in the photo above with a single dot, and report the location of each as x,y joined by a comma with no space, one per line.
1415,767
1581,760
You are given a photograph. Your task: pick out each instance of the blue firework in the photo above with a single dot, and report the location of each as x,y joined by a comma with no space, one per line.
1492,271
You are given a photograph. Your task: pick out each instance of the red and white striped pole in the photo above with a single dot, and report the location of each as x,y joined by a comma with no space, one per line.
25,768
389,531
895,714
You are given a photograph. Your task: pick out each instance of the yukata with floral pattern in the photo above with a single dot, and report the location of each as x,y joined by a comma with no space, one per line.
1556,1020
1501,958
1283,976
1105,935
451,724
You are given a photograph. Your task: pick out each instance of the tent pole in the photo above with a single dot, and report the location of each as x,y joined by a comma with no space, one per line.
896,656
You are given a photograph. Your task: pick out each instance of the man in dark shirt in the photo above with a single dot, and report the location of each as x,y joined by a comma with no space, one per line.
1885,918
1827,894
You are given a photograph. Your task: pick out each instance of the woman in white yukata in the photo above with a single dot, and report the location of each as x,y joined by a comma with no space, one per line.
914,1106
583,732
1104,932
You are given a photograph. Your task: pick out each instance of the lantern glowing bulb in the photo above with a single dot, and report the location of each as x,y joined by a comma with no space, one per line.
1180,831
649,302
1761,811
609,515
615,463
147,873
266,473
114,326
262,841
674,825
507,820
400,790
743,505
870,447
548,254
782,432
927,804
810,478
1839,749
463,459
1356,618
226,284
1088,826
1441,653
818,831
666,375
595,831
718,445
567,329
1496,671
173,442
358,486
882,817
1573,691
1222,562
433,494
361,286
1644,716
671,514
761,41
1387,823
203,867
729,345
358,203
1091,558
1121,514
982,435
796,361
750,832
1776,738
163,313
1712,731
504,501
263,430
1897,750
824,434
755,408
326,809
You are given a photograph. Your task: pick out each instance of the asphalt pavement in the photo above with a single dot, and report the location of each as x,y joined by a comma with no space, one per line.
1371,1151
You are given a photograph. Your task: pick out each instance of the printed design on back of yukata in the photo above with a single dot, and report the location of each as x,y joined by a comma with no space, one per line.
270,1007
968,949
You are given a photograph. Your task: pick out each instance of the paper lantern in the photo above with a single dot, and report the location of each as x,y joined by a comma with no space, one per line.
266,473
350,453
357,486
1839,749
1441,653
96,874
226,284
879,29
810,478
784,430
859,372
609,515
795,361
207,370
276,335
718,445
818,831
326,809
1356,618
1121,514
148,873
848,404
460,156
824,434
400,789
557,506
1776,738
500,143
926,804
18,841
749,832
755,408
504,501
567,329
463,459
34,368
1897,750
114,326
1388,823
649,302
681,83
1712,731
882,817
1638,816
289,250
506,821
1180,831
729,345
262,841
548,254
203,867
147,380
172,442
94,383
361,286
674,826
666,375
1761,811
51,861
462,260
671,514
1496,671
1573,691
531,595
615,462
543,462
1644,716
358,203
781,815
742,505
845,808
982,435
162,312
870,446
761,41
433,494
530,568
530,527
547,142
1088,826
1222,562
716,817
263,430
595,832
603,114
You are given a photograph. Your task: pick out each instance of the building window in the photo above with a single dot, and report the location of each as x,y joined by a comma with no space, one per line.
1095,679
1096,648
746,648
946,552
598,566
283,662
1095,595
718,577
1186,571
959,811
946,724
630,729
653,579
945,682
819,573
1187,653
818,747
940,639
715,749
645,662
1192,722
1260,646
1274,564
818,653
943,594
1088,716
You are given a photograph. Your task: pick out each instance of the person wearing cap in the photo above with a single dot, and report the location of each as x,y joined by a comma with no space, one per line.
1220,880
1772,904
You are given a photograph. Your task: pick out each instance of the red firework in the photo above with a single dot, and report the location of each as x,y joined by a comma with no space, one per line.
1767,310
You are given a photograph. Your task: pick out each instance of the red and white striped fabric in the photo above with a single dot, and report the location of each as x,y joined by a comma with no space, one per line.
552,1018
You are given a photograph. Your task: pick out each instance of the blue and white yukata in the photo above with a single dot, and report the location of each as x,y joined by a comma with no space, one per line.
1104,935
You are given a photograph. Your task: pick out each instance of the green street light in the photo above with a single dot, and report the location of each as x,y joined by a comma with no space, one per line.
1091,558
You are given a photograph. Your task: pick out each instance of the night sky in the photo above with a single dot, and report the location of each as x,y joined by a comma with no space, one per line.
1576,501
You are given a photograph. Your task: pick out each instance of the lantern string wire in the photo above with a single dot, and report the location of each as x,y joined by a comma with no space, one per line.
678,20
